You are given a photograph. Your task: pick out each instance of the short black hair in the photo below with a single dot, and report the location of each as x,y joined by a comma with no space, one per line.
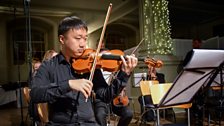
69,23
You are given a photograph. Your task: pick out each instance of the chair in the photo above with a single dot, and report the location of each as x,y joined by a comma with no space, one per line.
157,93
111,116
186,106
26,93
43,112
144,87
41,107
214,104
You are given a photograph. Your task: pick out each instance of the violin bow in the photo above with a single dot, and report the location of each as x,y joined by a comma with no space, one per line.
137,46
113,75
100,42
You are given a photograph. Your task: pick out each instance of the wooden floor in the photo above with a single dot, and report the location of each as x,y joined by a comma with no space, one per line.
11,115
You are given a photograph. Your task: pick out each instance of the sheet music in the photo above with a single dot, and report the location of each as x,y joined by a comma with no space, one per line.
203,58
138,77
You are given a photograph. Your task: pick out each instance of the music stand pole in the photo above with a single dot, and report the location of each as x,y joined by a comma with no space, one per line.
29,46
221,95
20,91
16,48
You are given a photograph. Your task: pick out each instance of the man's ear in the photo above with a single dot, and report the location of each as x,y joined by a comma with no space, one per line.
61,39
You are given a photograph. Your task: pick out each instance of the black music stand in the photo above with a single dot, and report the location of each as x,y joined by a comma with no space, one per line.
214,102
201,71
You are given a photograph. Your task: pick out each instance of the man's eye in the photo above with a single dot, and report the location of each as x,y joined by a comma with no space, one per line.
78,38
85,38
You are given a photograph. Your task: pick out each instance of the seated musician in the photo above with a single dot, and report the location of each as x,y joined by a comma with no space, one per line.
152,75
67,92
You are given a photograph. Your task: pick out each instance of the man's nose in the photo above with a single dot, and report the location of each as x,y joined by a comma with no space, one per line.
82,42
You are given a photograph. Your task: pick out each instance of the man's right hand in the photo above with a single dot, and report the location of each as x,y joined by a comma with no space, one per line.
82,85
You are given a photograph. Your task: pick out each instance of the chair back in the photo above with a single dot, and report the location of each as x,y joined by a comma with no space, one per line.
216,88
184,106
145,86
158,91
43,112
26,92
42,108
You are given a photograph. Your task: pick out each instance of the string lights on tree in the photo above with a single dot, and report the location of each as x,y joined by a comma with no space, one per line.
157,29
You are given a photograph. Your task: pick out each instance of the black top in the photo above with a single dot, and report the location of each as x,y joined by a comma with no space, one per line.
50,85
159,76
187,57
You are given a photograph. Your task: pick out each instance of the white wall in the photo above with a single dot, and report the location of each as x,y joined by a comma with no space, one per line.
181,47
214,43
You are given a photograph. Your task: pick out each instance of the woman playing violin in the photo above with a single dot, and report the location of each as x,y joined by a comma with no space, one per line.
66,91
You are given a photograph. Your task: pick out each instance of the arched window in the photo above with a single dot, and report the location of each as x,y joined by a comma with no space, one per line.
21,47
115,41
120,36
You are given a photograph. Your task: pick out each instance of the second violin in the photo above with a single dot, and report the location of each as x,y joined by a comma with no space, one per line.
154,63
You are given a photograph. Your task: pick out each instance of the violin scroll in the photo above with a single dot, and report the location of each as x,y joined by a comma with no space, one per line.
154,63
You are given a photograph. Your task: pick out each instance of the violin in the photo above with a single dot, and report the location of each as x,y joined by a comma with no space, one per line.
121,100
109,61
154,63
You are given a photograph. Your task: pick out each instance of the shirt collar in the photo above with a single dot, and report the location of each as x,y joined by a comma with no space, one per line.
61,58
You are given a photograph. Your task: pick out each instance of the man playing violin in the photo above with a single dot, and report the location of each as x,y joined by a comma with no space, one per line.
67,92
